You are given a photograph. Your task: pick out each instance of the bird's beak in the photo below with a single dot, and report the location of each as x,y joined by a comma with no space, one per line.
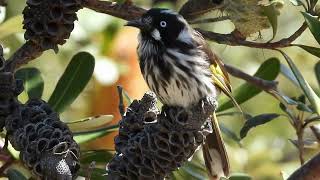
137,23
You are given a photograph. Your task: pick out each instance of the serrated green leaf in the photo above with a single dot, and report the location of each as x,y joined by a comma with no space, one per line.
288,74
33,82
313,24
308,91
256,121
268,70
72,82
15,175
98,156
90,123
11,26
84,137
312,50
317,72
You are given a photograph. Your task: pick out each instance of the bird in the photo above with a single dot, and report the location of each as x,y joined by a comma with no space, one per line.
180,68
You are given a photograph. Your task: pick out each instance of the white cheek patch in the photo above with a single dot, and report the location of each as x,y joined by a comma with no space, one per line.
185,36
156,35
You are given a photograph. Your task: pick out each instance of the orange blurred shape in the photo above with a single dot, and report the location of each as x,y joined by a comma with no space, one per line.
106,99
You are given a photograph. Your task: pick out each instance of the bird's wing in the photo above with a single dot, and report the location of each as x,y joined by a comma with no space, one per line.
220,75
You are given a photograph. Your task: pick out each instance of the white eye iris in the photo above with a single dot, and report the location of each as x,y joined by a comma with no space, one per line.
163,24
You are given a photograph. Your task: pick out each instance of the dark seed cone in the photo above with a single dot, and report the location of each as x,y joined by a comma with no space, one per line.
50,22
151,145
45,143
9,89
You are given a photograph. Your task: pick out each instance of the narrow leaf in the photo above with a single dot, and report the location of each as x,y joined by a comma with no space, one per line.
89,124
225,130
81,138
317,72
73,81
313,24
296,2
15,175
288,74
11,26
307,144
33,82
268,70
312,50
311,95
256,121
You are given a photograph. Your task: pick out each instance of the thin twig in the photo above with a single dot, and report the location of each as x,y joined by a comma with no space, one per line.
316,132
258,82
310,120
300,144
233,40
121,104
124,11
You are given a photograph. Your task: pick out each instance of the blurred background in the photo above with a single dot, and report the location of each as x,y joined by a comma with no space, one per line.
265,153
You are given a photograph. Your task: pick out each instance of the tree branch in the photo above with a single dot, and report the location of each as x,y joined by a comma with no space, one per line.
258,82
26,53
233,40
124,11
309,171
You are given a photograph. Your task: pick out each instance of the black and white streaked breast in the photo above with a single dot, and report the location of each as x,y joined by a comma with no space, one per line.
177,72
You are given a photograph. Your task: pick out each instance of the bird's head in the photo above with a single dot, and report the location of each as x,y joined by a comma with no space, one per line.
162,25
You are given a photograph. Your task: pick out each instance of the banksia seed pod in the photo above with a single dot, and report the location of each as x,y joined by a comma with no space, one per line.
49,23
151,145
45,143
9,89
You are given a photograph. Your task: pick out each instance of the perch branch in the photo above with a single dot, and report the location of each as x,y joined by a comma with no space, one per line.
258,82
309,171
26,53
125,11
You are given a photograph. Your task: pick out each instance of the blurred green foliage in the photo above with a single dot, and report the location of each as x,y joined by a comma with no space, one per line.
264,154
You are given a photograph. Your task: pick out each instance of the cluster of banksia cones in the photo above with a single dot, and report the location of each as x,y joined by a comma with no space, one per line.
151,144
45,143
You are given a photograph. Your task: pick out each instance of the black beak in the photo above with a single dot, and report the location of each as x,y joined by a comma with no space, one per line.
136,23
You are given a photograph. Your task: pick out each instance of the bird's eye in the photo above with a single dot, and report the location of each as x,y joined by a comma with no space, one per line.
163,24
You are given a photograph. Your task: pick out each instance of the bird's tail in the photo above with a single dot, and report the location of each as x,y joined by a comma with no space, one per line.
214,153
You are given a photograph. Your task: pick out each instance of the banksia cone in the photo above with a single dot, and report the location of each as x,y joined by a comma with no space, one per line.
9,89
50,22
151,145
45,143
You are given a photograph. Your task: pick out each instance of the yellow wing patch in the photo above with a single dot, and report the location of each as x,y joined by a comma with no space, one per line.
219,79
